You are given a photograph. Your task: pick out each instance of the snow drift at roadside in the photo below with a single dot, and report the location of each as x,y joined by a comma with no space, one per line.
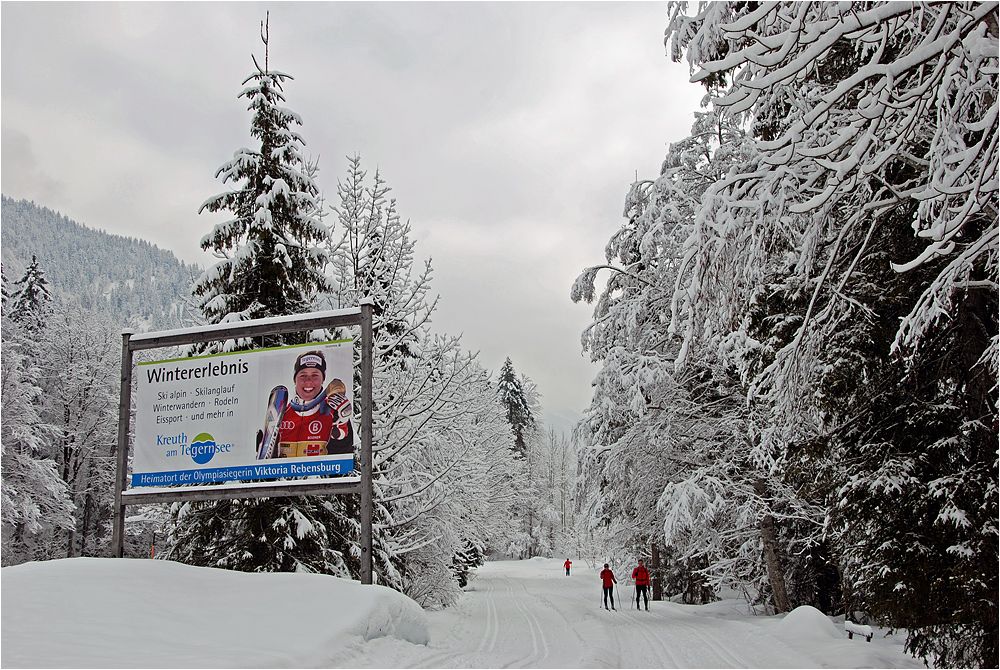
63,614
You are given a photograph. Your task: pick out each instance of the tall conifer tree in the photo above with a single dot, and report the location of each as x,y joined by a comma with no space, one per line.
4,293
272,259
30,301
272,265
519,414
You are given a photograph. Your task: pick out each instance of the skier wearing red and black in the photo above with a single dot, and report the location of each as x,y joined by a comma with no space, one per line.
316,421
641,577
609,581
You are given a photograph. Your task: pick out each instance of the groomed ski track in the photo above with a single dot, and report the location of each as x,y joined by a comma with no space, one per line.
528,614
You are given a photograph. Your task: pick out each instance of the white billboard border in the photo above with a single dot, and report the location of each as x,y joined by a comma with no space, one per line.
359,316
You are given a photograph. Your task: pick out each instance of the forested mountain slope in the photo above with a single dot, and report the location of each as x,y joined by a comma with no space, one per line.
128,279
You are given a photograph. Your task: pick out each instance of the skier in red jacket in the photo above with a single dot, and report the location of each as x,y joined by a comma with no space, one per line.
608,579
641,577
566,565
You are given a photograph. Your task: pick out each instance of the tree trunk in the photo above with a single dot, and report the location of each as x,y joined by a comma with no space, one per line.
531,532
775,575
772,560
654,562
88,510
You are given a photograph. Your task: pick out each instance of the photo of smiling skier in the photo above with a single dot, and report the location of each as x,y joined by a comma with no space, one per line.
316,421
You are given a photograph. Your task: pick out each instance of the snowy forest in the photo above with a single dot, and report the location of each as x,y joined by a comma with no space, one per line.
796,327
463,467
798,330
123,278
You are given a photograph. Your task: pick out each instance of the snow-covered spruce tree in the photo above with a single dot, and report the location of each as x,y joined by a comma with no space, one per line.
30,300
4,291
874,121
518,413
271,265
441,446
913,475
271,250
521,401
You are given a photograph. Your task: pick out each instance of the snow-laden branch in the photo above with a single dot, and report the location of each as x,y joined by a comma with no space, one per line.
851,124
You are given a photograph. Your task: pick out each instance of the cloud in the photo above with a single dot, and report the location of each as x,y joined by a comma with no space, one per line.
509,133
119,182
21,172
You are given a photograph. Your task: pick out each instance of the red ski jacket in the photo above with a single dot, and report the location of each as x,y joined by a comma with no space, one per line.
608,577
641,576
305,433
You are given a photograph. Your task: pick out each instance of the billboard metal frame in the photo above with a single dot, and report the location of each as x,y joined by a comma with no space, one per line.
359,316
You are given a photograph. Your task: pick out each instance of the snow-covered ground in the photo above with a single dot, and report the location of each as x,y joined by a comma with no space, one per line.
141,613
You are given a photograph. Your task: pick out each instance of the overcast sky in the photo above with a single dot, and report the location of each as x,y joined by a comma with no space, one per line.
508,132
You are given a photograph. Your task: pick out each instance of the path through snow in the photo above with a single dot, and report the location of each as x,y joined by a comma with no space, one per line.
122,613
528,614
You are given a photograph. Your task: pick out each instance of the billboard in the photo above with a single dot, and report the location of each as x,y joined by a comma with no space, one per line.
264,414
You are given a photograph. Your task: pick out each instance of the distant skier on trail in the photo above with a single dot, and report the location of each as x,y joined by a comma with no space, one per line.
609,581
641,577
566,565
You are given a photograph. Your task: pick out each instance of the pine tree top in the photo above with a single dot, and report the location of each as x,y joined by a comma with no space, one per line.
272,249
30,301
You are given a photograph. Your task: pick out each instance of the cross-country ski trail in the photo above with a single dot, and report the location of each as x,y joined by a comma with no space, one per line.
528,614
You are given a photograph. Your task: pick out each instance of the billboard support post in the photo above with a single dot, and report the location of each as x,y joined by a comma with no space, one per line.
366,443
121,453
131,342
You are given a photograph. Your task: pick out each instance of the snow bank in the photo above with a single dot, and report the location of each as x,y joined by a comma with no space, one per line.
89,612
807,623
810,632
